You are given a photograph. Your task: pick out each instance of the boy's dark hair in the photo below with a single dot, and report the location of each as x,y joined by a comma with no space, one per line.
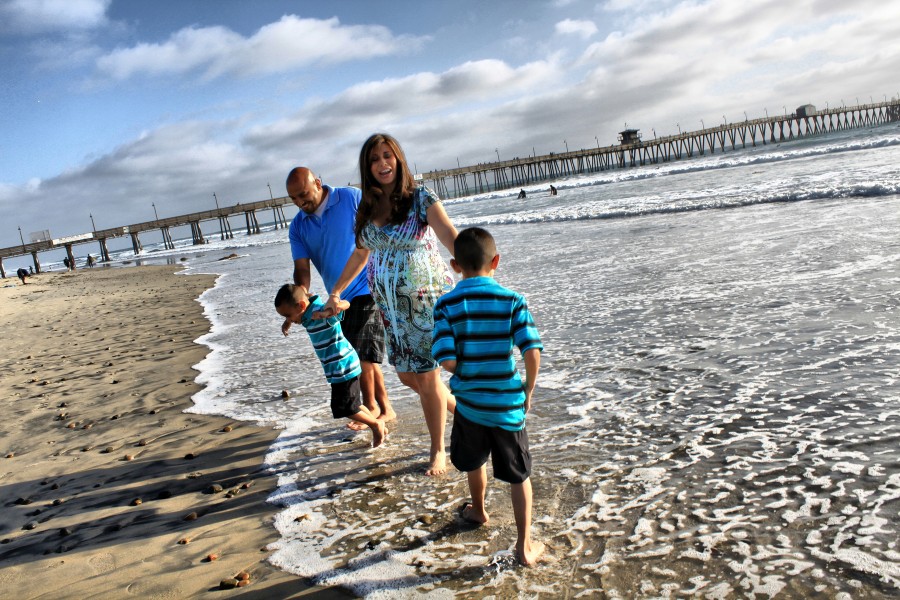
285,295
474,249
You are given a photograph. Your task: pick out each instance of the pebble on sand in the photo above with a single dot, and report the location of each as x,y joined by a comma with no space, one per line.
136,502
10,454
191,516
184,541
285,394
228,584
212,557
227,428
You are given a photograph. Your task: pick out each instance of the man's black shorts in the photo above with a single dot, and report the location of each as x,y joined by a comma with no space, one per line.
346,398
363,328
471,444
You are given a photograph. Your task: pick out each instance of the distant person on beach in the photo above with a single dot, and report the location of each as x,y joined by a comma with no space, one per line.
66,263
22,274
398,227
475,328
521,194
322,234
552,190
90,261
339,359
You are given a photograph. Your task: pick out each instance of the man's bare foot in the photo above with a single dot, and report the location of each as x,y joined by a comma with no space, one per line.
356,426
379,432
473,515
438,464
528,556
387,416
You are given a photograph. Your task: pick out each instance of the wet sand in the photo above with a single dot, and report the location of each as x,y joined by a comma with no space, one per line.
108,488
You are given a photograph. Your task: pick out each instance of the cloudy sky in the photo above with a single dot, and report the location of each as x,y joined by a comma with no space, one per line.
111,105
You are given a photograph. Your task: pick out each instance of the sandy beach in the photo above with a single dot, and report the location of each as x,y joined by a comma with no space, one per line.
109,489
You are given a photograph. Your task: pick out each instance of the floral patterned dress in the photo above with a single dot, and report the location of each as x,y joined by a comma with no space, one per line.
407,275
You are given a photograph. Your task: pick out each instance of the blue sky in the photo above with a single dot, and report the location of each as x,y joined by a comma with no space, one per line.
109,106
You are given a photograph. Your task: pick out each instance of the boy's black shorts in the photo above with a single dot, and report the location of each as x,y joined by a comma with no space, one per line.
346,398
364,329
471,444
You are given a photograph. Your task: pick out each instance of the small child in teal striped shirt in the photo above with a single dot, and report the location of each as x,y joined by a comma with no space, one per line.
339,359
476,326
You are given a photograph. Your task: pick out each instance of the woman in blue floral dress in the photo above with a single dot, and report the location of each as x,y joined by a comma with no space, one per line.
398,227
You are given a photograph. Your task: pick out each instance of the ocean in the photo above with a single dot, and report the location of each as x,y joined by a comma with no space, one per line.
717,413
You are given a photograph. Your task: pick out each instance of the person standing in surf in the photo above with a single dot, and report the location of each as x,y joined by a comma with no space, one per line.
398,227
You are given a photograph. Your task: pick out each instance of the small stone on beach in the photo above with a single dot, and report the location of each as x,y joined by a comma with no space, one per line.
228,584
285,394
137,502
10,455
191,516
128,457
214,489
212,557
227,428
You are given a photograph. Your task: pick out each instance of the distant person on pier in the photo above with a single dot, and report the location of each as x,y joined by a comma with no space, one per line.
322,234
521,194
22,274
552,190
398,228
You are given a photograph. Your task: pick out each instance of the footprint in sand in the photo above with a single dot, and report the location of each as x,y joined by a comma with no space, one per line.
102,563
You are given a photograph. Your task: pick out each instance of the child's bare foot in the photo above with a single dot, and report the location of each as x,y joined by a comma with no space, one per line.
379,432
529,555
473,515
356,426
387,416
438,464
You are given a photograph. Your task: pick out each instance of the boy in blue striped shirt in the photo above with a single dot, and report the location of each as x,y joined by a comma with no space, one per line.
476,326
339,359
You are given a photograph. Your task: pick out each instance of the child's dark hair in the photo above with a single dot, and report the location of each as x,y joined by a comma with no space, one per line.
474,249
285,295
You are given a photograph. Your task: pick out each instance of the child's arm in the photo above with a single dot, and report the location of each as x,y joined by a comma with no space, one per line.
532,366
449,366
341,305
354,267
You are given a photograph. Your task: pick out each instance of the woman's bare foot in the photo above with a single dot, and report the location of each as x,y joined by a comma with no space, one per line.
438,464
473,515
379,433
528,555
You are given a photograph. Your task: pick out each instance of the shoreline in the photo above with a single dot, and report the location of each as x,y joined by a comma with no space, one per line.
109,487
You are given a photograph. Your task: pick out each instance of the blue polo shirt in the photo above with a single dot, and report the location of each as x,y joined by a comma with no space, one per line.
477,324
329,241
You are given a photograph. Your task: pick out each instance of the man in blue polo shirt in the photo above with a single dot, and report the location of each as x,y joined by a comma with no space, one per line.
322,234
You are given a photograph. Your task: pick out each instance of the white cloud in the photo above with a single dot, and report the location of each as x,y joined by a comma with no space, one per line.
40,16
288,44
585,29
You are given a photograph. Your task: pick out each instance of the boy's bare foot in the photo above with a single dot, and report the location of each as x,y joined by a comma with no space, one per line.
529,555
356,426
473,515
387,416
379,432
438,464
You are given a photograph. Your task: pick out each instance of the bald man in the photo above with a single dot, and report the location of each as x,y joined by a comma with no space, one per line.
322,234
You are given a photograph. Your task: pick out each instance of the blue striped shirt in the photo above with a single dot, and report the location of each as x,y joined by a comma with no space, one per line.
339,359
477,324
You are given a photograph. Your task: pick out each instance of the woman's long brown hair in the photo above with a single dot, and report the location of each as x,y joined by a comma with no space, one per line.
401,198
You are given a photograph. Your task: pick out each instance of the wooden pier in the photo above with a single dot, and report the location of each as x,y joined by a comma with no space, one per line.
519,172
163,225
634,152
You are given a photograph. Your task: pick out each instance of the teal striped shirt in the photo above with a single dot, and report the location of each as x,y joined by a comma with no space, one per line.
477,324
339,359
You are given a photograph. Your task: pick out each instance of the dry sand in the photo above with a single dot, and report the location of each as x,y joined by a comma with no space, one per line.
107,485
